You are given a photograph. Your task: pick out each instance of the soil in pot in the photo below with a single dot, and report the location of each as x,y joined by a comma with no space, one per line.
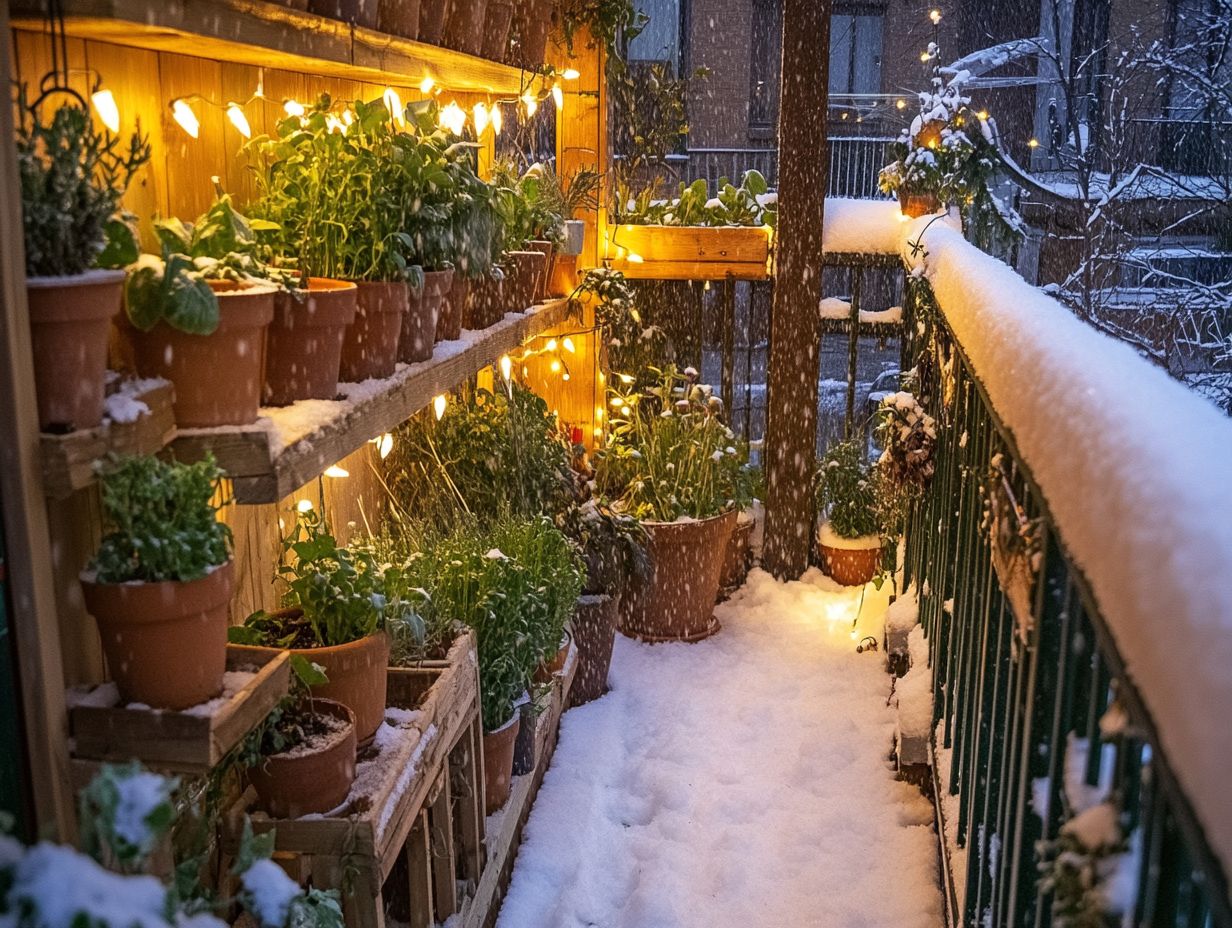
357,672
498,764
432,15
219,377
316,775
594,633
305,341
464,26
487,303
739,556
675,602
541,286
165,642
423,310
357,12
70,319
496,29
398,17
524,270
849,561
370,348
453,309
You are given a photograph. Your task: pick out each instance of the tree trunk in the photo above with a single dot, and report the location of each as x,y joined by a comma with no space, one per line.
804,167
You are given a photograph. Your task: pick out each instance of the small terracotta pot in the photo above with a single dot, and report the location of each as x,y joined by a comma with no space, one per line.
661,606
398,17
739,556
357,672
563,277
916,205
432,15
464,26
305,341
219,377
423,310
525,746
453,309
166,642
357,12
488,303
549,668
496,29
548,250
850,566
370,348
594,633
294,784
524,269
498,764
70,318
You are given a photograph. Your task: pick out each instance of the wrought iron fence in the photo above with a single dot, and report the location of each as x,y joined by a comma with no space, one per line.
855,162
1029,688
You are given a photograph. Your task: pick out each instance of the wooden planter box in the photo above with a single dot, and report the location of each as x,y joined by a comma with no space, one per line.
690,252
192,741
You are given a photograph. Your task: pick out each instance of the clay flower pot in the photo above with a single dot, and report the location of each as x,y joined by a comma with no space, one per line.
594,633
524,270
357,12
357,672
219,377
70,318
309,779
496,29
739,556
398,17
551,666
487,303
432,15
498,764
453,309
563,277
370,348
548,250
849,561
676,601
165,642
464,26
305,341
423,310
916,205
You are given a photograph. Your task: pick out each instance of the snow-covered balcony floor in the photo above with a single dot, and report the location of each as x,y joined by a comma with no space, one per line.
741,781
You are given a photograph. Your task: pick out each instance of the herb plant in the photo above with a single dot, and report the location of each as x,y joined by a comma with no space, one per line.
72,180
846,491
529,205
160,521
170,289
750,204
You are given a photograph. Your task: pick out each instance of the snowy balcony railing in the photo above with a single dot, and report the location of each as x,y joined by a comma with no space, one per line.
1072,559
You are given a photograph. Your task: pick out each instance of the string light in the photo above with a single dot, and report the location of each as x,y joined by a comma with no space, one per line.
531,104
384,444
506,366
426,85
1033,143
105,105
336,471
570,74
924,56
304,505
635,258
293,108
559,96
184,115
334,124
551,345
479,115
438,406
935,16
983,114
236,114
393,103
901,104
453,118
568,343
498,119
555,366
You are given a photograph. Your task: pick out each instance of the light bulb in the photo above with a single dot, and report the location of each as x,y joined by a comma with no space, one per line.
453,118
506,366
498,119
384,445
393,103
559,96
568,343
598,413
635,258
105,105
983,114
304,505
598,432
184,115
336,471
924,56
293,108
565,376
438,406
239,120
551,346
901,104
935,16
617,402
479,115
1033,143
555,366
426,85
334,124
571,74
531,104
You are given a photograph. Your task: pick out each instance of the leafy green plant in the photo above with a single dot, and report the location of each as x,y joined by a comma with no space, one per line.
72,180
608,21
125,813
170,289
846,491
633,348
668,453
750,204
529,205
612,544
160,521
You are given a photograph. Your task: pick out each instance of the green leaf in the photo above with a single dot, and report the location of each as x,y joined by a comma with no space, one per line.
174,234
755,183
121,248
143,296
308,673
253,847
189,303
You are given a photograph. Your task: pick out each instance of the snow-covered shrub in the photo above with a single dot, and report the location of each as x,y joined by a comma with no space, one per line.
750,204
630,344
909,436
846,491
125,813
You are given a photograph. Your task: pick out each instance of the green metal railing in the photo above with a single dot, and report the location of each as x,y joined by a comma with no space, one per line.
1025,674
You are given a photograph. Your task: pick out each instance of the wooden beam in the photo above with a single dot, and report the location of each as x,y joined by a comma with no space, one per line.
804,164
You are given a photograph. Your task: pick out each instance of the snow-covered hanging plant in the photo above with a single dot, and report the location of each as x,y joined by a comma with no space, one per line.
909,436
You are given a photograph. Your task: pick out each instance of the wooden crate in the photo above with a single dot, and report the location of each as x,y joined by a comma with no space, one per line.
190,742
690,252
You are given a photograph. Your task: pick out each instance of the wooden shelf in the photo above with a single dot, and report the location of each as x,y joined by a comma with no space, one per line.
68,460
271,35
289,446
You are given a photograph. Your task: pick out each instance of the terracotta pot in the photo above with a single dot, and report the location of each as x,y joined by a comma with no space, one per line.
357,671
70,319
219,377
294,784
850,566
739,556
423,310
916,205
357,12
660,607
524,269
498,764
548,669
525,746
563,278
165,642
488,303
594,633
496,29
370,348
432,15
398,17
548,250
464,26
305,342
453,310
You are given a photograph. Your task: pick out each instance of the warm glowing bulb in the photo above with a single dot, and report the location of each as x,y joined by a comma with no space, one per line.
528,99
559,96
598,432
393,103
304,505
384,445
935,16
347,118
555,366
185,116
236,114
901,104
105,105
479,115
1034,143
617,402
568,343
565,376
438,406
983,114
426,85
336,471
506,366
453,118
498,119
598,413
924,56
334,124
626,379
635,258
293,108
551,345
570,74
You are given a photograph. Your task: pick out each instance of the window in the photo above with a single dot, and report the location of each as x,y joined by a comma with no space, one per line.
855,52
660,40
764,71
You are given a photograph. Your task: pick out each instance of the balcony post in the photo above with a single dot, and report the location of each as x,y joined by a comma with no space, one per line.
791,427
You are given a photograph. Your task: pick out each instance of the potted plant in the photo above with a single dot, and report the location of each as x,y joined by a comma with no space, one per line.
578,193
849,538
76,243
516,201
672,463
160,585
334,611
